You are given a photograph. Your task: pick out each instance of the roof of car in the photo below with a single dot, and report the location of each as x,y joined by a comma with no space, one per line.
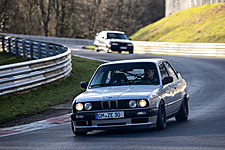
113,32
153,60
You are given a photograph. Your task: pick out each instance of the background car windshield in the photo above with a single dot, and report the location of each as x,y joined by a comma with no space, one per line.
125,74
116,36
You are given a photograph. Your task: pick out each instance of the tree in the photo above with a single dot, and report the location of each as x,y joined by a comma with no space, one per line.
45,9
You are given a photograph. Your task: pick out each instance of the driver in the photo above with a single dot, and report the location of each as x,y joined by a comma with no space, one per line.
149,76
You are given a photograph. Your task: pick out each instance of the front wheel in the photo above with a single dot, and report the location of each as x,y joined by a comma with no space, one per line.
131,52
76,132
109,50
182,114
97,49
161,117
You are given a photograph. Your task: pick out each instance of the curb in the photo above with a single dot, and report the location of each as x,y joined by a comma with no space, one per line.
51,122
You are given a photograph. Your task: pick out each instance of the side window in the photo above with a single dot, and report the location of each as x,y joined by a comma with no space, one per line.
163,70
171,71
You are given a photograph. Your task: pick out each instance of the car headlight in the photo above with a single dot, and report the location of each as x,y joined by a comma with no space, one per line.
142,103
132,103
87,106
79,106
115,44
130,44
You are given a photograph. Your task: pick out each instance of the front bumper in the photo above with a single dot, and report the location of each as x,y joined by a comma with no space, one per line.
121,48
134,118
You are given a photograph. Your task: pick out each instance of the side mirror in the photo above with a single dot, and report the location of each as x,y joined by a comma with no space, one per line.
84,84
96,34
167,80
130,39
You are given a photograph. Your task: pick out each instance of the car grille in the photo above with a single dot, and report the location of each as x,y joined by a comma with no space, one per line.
123,44
103,105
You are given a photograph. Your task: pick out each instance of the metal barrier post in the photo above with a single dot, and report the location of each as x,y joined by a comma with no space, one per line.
31,50
61,50
54,50
16,47
47,50
9,45
3,43
39,50
24,49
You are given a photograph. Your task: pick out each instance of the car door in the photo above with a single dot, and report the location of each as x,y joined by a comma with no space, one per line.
176,88
101,39
167,90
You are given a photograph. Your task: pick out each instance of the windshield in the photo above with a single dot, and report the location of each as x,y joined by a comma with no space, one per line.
126,74
116,36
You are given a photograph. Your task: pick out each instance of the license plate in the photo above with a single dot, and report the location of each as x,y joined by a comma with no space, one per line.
109,115
123,47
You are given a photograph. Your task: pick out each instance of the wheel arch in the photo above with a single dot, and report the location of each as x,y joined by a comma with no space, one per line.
159,100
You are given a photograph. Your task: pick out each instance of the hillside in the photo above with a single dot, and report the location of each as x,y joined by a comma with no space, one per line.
197,24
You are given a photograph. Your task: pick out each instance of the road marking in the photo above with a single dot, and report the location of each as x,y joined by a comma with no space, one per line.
76,49
51,122
90,58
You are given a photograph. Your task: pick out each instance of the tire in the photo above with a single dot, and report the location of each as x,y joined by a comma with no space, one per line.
183,113
97,49
131,52
109,50
161,117
77,133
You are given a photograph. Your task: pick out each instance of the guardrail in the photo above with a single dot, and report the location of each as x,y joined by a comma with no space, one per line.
180,49
52,62
143,47
74,42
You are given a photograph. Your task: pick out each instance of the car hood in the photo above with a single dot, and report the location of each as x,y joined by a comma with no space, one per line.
117,93
119,40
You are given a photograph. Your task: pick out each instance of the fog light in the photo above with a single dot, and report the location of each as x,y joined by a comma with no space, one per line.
87,106
132,103
142,103
79,106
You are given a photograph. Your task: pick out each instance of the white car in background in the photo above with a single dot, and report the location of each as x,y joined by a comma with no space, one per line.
113,41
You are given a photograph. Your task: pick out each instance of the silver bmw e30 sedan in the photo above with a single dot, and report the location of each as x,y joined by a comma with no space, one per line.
140,93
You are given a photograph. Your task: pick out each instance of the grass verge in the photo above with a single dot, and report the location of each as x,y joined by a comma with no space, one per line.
6,58
196,24
39,99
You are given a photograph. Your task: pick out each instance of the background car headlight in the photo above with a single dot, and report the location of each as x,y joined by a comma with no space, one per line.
142,103
130,44
132,103
79,106
87,106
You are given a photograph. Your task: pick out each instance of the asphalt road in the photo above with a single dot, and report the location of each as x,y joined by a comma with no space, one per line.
204,130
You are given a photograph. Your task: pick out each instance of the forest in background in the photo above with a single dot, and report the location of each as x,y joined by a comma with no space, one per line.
77,18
